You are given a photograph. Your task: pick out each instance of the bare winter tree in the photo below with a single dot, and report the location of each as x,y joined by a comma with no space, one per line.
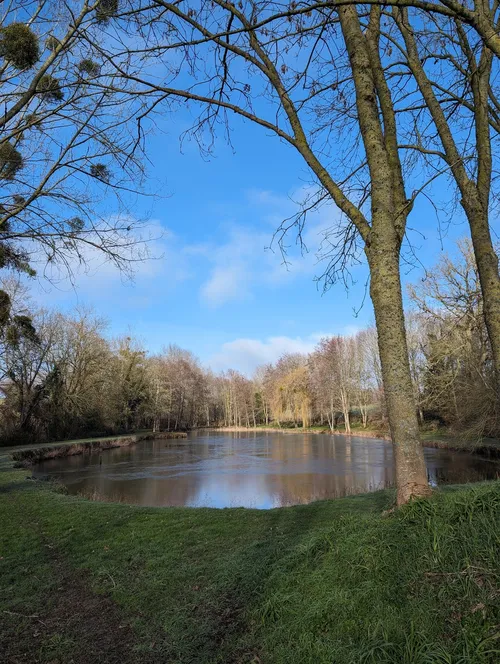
456,376
416,334
334,365
61,377
69,155
316,80
287,389
364,376
456,128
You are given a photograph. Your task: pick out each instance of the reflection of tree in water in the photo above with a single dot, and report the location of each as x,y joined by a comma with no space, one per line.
135,474
251,469
462,473
354,468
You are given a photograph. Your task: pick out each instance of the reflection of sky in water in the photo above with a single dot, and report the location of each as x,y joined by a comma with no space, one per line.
253,469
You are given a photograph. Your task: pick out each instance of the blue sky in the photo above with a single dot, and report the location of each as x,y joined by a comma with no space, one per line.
215,289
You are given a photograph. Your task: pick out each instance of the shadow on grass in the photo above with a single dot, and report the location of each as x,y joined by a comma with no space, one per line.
332,581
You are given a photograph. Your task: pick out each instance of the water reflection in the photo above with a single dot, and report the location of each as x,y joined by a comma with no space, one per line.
259,470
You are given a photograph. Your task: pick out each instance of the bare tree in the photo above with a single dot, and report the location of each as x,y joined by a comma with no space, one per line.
333,365
363,373
69,157
261,386
315,80
456,368
288,390
455,73
417,334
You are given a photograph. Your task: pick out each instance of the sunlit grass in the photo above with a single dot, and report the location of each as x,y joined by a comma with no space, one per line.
337,582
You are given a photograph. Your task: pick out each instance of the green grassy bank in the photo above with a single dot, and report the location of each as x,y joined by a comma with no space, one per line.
333,582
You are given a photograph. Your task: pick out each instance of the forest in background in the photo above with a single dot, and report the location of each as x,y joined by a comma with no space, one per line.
62,377
383,106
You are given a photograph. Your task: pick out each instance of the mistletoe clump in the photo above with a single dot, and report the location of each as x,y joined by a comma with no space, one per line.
106,9
49,88
19,45
88,66
11,161
18,200
100,172
34,121
13,259
76,224
52,43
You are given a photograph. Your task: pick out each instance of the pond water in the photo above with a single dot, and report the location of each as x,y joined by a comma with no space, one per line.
254,469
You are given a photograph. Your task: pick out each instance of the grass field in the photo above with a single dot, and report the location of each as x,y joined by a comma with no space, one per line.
334,582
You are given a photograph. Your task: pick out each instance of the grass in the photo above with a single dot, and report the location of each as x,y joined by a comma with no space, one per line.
334,582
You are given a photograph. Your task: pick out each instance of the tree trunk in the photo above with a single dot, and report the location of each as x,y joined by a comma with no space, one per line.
487,267
385,292
475,194
364,415
347,422
421,414
345,411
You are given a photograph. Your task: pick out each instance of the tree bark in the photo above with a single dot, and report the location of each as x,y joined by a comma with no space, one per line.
489,277
385,292
345,412
389,209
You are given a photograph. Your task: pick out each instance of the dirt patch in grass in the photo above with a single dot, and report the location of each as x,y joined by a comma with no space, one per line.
76,626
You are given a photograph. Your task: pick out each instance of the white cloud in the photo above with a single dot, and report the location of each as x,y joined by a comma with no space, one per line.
268,198
221,272
247,354
94,278
225,284
227,271
247,259
236,266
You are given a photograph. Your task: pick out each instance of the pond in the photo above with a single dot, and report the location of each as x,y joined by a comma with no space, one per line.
250,469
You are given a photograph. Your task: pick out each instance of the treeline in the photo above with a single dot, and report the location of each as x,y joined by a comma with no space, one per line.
340,382
63,378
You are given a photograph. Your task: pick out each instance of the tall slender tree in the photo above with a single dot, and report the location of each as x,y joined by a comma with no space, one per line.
324,84
455,75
